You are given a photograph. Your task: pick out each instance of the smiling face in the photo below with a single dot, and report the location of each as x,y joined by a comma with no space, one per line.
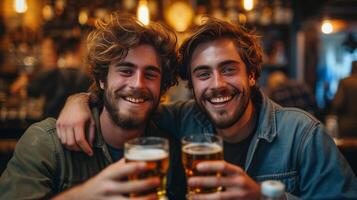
220,82
132,87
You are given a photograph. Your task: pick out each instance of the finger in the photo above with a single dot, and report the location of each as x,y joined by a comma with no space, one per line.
120,170
91,132
58,129
219,166
63,136
121,160
139,186
81,141
146,197
211,181
71,142
226,195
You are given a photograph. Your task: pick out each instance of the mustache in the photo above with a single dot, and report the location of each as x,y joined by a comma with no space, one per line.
135,93
219,92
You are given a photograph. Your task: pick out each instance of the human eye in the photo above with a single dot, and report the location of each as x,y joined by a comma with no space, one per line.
125,71
229,70
203,75
152,75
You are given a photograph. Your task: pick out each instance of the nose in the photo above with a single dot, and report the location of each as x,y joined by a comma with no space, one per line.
138,80
218,80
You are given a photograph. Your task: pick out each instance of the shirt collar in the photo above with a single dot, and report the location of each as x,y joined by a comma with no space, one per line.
99,142
267,126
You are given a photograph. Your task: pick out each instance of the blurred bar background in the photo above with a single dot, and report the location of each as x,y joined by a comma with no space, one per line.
311,42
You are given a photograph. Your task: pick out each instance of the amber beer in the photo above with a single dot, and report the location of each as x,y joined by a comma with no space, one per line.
153,151
200,148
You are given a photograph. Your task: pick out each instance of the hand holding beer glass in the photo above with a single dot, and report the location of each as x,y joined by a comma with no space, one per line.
155,152
199,148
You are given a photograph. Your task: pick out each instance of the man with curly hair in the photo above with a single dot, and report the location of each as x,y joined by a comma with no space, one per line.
132,65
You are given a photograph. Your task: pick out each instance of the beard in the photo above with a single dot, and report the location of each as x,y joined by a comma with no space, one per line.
225,118
124,118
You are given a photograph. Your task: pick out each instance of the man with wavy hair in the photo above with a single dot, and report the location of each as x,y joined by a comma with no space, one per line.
132,66
262,140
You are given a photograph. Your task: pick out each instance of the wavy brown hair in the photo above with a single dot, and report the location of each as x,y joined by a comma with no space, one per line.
247,44
115,35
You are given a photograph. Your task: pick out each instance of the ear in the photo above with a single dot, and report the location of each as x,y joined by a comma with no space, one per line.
251,80
101,84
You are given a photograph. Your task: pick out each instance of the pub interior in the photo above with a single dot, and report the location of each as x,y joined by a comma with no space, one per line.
308,42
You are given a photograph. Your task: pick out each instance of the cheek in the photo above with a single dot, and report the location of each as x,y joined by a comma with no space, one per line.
154,88
198,87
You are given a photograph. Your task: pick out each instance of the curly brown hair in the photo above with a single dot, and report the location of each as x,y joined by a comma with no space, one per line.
115,35
247,44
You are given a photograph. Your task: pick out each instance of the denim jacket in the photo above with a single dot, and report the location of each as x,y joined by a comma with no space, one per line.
288,145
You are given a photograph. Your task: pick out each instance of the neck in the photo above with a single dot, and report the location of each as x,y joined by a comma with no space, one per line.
114,135
242,128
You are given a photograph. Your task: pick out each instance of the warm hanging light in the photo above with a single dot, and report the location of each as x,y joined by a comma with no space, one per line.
327,27
83,16
47,12
179,15
20,6
248,5
143,12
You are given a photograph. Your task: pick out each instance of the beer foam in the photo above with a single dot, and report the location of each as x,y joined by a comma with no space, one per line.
142,154
202,148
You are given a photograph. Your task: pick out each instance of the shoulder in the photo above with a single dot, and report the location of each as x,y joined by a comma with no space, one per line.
177,108
297,121
295,114
33,169
300,127
180,105
39,137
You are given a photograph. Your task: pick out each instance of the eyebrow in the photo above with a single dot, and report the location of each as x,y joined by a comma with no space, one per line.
227,62
200,67
127,64
206,67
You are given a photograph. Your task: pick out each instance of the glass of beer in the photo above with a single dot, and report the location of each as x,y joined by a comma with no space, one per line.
198,148
155,152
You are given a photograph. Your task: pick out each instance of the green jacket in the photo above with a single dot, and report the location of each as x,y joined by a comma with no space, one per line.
40,167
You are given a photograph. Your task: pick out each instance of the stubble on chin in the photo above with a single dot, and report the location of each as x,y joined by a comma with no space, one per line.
125,118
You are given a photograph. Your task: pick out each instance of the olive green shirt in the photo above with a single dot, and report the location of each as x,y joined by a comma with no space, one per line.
40,167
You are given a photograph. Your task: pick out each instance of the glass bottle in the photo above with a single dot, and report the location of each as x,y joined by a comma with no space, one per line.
273,190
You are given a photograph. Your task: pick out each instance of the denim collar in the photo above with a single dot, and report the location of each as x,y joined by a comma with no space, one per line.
266,125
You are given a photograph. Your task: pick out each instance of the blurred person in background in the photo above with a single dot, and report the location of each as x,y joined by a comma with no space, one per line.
290,93
61,74
47,61
344,104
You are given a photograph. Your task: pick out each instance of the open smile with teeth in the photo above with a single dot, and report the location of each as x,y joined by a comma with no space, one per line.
134,100
220,100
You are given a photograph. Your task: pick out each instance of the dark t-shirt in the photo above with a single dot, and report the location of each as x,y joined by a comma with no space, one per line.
116,154
236,153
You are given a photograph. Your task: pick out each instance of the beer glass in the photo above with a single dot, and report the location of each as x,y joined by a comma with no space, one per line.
198,148
155,152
